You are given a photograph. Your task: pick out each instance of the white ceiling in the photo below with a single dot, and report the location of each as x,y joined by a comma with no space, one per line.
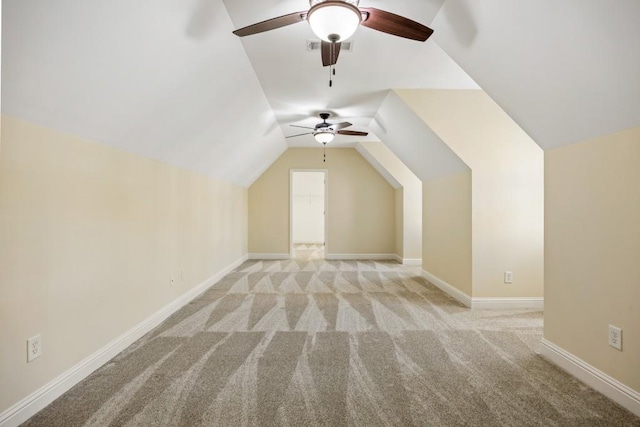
413,141
162,78
167,79
565,71
297,85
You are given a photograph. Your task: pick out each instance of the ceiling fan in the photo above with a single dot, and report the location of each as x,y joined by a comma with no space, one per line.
334,21
325,132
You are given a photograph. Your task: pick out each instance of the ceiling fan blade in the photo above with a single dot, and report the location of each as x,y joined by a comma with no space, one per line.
303,127
300,134
342,125
271,24
352,133
330,52
397,25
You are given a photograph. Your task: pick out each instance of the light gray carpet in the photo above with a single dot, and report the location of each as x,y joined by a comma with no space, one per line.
331,343
308,251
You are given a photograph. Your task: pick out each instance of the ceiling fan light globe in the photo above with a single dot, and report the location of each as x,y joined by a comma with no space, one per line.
328,19
315,2
324,137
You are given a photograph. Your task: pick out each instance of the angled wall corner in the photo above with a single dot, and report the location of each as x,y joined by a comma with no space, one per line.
408,198
175,104
506,186
575,80
413,142
377,163
445,261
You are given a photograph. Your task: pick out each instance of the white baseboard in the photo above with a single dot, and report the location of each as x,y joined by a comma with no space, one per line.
38,400
482,303
269,256
593,377
360,256
408,261
455,293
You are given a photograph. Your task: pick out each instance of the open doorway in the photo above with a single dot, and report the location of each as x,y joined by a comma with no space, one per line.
308,226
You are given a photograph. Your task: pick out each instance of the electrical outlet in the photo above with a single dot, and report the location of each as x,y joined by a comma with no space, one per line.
508,277
34,348
615,337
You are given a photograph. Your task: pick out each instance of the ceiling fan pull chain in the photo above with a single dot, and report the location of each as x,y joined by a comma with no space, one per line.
324,152
332,70
333,57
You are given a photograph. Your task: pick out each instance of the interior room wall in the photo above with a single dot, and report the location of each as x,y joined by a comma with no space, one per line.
446,240
91,239
412,141
576,79
360,209
592,248
399,222
0,71
507,189
410,229
412,222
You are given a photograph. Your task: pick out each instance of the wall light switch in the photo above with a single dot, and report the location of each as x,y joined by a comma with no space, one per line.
508,277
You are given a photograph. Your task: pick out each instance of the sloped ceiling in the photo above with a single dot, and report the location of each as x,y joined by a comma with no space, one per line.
388,165
169,80
165,79
297,86
377,164
413,142
565,71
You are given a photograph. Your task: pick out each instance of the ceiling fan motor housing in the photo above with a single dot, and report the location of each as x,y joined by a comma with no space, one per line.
315,2
325,132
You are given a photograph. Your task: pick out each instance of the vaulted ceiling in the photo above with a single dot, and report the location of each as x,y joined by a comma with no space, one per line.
167,79
565,70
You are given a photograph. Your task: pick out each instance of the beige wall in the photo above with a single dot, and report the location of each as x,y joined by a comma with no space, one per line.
592,251
446,244
361,206
507,188
412,221
399,222
409,235
90,239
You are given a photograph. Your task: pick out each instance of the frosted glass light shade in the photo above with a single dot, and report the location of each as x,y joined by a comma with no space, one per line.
334,21
324,137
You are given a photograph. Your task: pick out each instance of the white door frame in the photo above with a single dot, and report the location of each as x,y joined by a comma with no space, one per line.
326,207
